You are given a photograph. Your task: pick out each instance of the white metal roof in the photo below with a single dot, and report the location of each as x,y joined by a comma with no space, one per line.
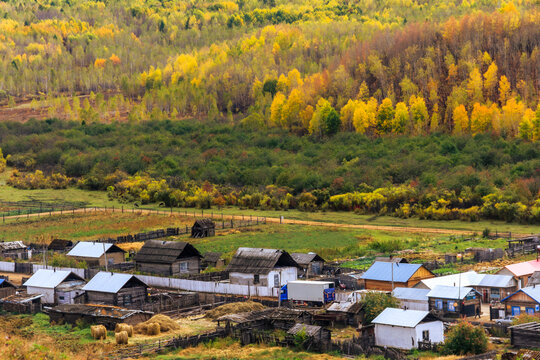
410,294
108,282
469,278
49,279
311,282
400,317
89,249
449,292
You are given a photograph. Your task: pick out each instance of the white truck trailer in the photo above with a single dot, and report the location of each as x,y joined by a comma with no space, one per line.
314,292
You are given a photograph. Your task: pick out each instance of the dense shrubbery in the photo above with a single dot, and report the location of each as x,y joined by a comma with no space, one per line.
464,338
190,164
374,303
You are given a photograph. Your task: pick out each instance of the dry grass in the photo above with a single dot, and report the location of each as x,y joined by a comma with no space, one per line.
234,308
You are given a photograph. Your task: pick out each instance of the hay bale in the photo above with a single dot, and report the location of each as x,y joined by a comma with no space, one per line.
121,338
124,327
234,308
165,324
153,329
98,332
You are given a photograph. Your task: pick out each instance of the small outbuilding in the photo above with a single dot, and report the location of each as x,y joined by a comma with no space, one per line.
351,311
212,260
168,258
97,253
14,250
203,228
451,301
49,283
107,316
404,329
6,288
21,302
116,289
318,338
386,276
412,298
60,245
310,263
526,300
263,267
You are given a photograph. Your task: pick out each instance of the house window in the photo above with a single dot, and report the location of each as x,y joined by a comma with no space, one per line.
438,304
451,306
276,280
256,279
425,335
183,266
516,310
529,310
127,299
61,298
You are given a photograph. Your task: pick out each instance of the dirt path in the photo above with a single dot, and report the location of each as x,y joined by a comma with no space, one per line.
273,220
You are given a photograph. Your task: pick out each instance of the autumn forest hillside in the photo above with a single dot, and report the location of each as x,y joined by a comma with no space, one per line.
401,107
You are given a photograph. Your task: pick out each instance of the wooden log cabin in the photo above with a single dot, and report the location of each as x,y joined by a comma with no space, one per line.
386,276
97,253
168,258
116,289
526,300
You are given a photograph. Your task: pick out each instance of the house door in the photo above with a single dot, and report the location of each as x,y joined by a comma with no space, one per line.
485,295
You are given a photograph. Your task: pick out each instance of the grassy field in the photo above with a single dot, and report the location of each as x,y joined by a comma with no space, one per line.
100,199
87,226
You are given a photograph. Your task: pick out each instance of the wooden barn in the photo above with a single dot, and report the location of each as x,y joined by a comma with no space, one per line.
212,260
203,228
60,245
14,250
6,288
526,300
107,316
454,302
263,267
168,258
386,276
311,264
525,336
55,284
116,289
97,253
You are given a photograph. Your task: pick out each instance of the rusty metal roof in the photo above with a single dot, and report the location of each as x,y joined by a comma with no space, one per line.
165,252
260,261
306,258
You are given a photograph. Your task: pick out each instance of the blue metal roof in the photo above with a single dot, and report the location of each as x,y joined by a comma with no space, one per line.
382,271
532,291
1,281
400,317
411,294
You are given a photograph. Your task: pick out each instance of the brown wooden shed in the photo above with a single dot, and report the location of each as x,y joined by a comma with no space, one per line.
203,228
168,258
116,289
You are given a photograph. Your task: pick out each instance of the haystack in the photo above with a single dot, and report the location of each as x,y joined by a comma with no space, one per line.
121,337
234,308
153,329
165,324
124,327
98,332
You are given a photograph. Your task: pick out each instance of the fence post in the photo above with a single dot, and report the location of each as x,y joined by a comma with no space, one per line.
122,209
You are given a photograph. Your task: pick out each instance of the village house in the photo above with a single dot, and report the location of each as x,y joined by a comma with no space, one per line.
14,250
6,288
212,260
452,301
262,267
49,283
521,271
404,329
168,258
412,298
97,253
388,275
311,264
116,289
491,287
525,300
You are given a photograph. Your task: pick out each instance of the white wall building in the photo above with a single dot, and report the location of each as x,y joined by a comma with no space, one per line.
46,282
403,329
412,299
